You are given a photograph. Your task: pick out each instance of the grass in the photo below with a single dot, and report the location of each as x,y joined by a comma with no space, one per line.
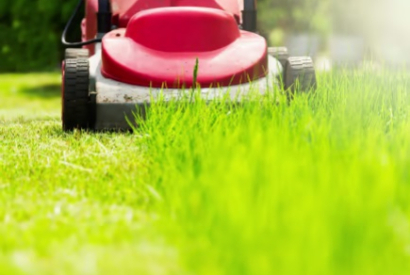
320,186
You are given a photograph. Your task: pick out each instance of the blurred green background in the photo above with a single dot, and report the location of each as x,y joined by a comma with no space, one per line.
347,30
30,33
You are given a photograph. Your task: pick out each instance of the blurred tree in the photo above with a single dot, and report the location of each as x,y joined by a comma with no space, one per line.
294,16
30,33
349,16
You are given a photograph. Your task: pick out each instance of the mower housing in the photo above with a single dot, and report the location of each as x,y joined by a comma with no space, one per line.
163,48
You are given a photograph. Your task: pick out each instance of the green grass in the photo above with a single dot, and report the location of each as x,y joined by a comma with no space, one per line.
320,186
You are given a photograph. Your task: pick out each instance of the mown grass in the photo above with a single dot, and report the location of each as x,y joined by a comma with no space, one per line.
319,186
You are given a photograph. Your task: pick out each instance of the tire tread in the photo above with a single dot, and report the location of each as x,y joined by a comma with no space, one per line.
76,94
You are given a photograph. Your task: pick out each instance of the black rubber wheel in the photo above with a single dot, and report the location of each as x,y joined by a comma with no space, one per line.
75,94
280,53
299,75
74,53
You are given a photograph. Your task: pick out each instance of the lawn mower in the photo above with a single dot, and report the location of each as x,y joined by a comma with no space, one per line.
133,51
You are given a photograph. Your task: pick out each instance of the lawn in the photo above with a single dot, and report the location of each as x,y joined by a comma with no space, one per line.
318,186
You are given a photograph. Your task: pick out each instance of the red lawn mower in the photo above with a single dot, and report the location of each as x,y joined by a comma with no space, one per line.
135,50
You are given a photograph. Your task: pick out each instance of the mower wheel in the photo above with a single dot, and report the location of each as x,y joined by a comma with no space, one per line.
280,53
75,94
74,53
299,75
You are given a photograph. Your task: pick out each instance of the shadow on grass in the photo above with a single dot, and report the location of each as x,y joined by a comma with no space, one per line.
43,91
